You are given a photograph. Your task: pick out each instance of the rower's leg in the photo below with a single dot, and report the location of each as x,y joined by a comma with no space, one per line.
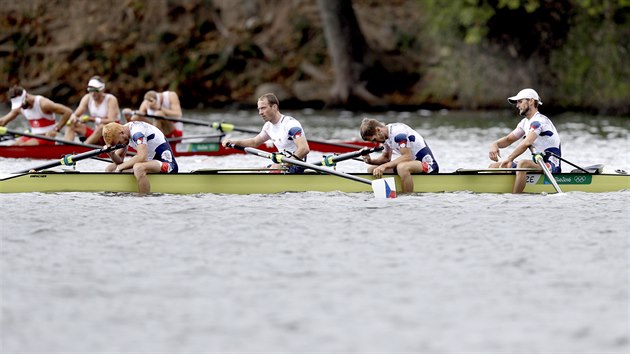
404,170
519,182
141,169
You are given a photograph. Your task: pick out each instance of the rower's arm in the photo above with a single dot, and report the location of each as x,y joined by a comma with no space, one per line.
493,151
251,142
48,106
9,117
405,155
384,157
118,156
523,146
142,152
302,147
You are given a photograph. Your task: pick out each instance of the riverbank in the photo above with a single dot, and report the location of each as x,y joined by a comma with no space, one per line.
223,54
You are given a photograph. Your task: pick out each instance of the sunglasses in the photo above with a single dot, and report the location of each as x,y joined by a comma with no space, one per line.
93,89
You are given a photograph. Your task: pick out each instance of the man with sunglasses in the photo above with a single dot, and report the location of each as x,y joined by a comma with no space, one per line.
534,130
97,107
40,113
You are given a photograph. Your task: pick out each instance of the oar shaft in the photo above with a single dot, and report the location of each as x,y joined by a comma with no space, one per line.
541,162
348,156
73,158
322,169
189,137
43,137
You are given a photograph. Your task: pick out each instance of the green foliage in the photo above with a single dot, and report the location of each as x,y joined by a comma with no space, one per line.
468,19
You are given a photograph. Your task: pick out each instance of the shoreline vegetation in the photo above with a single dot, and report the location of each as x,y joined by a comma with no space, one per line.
404,55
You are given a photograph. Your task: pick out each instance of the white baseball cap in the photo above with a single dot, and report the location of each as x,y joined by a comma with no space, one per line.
17,101
525,93
96,85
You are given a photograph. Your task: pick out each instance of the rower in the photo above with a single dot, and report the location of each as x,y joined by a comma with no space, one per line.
405,152
285,132
535,131
154,154
101,108
40,113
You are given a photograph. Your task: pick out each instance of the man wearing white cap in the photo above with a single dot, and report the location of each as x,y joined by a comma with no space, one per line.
536,130
102,108
40,113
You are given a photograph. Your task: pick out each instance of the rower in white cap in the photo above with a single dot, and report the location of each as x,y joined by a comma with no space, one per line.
97,107
534,131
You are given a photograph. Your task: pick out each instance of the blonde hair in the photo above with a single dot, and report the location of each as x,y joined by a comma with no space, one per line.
110,131
368,127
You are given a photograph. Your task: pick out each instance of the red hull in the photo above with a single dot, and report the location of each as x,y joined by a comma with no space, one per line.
180,149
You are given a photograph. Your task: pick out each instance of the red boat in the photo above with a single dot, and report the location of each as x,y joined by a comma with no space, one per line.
207,148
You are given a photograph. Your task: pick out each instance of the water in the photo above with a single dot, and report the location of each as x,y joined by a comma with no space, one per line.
325,272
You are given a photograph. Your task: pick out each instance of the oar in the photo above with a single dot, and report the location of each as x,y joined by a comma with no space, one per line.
69,160
4,130
189,137
541,162
226,128
383,188
331,160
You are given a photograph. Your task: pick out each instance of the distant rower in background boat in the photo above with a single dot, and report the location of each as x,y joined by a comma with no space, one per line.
102,108
40,113
153,155
163,104
405,152
536,130
285,132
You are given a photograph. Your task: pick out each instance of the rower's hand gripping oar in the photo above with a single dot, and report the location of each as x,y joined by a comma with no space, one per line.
538,158
382,188
70,160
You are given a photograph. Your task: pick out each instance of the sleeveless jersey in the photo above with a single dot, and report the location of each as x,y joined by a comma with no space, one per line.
402,136
166,103
548,138
99,110
158,148
283,133
39,122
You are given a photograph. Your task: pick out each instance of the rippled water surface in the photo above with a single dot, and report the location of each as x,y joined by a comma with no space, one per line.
325,272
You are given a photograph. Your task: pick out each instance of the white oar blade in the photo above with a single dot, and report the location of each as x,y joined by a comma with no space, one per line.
384,187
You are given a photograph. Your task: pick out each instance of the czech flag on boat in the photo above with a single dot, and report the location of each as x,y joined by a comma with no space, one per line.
384,187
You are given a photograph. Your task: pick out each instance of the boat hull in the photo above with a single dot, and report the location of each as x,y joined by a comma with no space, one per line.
208,148
230,182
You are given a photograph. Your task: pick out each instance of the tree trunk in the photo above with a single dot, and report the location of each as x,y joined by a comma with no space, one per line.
349,53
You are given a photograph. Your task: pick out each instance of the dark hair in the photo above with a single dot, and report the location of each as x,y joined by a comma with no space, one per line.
368,127
15,91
